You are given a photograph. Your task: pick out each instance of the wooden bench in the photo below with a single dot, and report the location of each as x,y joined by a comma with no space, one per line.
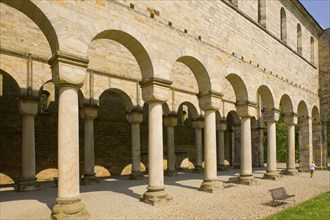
230,182
280,194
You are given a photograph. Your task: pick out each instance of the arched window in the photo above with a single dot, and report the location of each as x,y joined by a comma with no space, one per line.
299,40
312,51
283,25
235,2
44,101
262,12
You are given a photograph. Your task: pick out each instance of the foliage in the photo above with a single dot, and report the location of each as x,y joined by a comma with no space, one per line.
317,208
282,140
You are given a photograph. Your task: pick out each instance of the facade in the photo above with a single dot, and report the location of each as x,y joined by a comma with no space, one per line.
125,84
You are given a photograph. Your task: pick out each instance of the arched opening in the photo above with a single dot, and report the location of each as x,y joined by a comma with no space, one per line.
199,71
283,26
11,129
299,39
112,133
130,43
233,139
239,87
305,137
262,12
317,155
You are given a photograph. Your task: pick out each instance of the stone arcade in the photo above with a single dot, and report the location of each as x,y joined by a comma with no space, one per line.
109,83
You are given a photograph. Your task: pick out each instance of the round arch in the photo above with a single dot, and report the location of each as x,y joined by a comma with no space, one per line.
199,71
302,109
134,46
40,19
192,109
238,86
266,97
126,99
315,115
286,104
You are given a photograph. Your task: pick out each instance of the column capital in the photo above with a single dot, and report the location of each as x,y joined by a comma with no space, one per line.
171,120
210,100
246,109
222,126
155,89
68,69
135,116
271,115
28,105
290,118
198,123
89,112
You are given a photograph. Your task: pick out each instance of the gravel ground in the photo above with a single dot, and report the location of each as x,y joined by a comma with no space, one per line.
118,198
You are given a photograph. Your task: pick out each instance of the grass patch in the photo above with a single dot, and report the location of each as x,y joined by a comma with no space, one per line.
328,160
317,208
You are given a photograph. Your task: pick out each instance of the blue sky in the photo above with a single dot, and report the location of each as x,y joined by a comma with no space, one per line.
319,9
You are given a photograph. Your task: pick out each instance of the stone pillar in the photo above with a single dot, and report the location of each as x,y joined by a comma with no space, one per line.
198,125
245,110
325,146
271,171
135,118
291,120
69,73
317,144
28,108
155,92
170,122
221,127
210,103
88,114
305,143
236,139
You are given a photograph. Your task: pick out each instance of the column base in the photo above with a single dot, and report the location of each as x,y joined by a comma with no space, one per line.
198,169
290,172
136,176
69,209
247,180
210,185
222,167
155,196
89,179
271,175
27,184
171,173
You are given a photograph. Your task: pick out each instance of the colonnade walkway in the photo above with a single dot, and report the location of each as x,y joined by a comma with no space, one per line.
118,197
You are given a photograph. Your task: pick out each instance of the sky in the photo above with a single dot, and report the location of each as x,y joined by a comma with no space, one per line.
319,9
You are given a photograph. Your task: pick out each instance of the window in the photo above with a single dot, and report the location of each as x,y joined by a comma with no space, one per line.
299,40
312,59
262,12
283,25
44,102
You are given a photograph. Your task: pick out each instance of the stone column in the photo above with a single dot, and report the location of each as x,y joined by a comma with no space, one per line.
155,92
135,118
198,125
245,112
317,144
271,172
170,122
246,151
291,120
210,103
69,73
305,143
28,108
89,113
221,127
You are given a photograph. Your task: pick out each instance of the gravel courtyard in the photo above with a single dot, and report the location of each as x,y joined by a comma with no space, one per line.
118,198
